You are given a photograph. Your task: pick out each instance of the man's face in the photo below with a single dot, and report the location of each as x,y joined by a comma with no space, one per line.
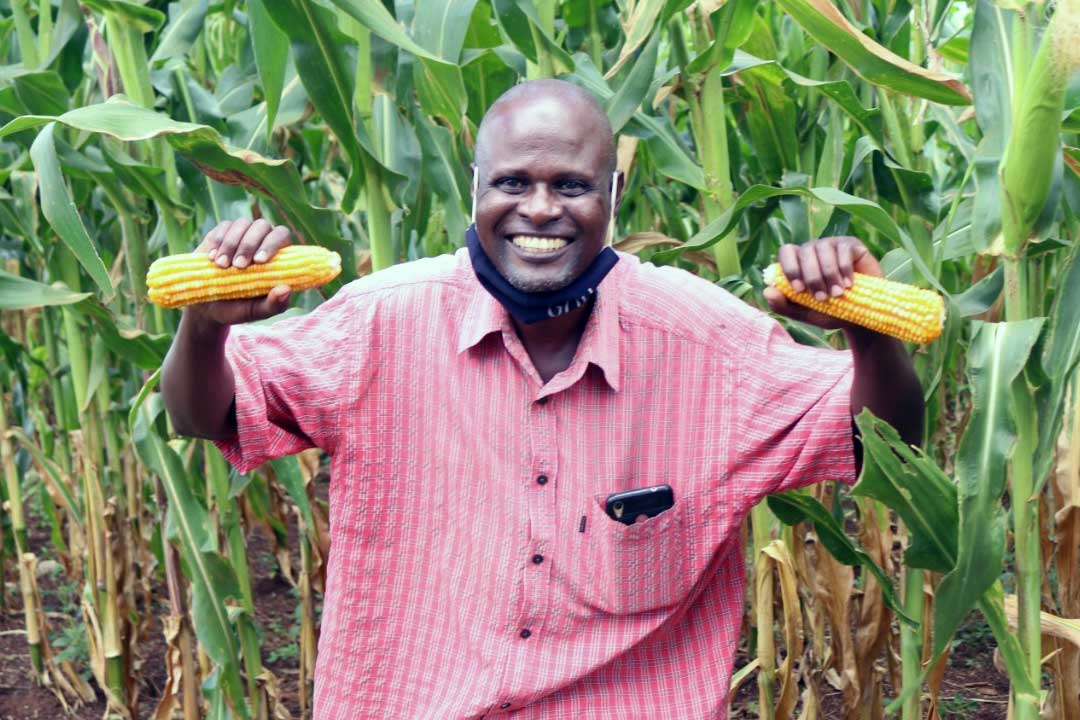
542,199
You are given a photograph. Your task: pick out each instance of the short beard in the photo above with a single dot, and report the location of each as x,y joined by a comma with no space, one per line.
539,285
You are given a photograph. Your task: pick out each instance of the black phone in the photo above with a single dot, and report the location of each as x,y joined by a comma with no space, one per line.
651,501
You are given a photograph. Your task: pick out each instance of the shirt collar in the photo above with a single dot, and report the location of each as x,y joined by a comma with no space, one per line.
599,343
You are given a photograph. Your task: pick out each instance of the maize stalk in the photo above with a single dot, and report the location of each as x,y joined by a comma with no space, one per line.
885,306
1027,173
189,278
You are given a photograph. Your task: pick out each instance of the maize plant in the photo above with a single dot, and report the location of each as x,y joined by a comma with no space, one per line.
145,578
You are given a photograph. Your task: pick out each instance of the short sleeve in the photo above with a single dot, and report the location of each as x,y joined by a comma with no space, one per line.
795,425
294,380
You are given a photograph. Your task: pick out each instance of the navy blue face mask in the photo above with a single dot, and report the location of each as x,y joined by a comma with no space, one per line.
529,308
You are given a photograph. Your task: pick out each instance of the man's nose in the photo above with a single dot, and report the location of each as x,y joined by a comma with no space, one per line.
539,205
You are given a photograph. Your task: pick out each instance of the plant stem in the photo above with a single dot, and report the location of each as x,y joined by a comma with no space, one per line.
1025,504
18,528
911,641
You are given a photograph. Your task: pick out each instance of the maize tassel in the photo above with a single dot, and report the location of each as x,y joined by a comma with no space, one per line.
190,278
885,306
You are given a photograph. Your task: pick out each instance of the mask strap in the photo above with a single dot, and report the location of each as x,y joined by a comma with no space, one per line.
611,214
475,186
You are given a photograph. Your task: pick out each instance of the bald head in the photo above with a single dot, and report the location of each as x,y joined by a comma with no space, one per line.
578,109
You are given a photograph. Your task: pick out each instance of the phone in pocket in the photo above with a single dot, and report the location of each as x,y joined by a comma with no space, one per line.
626,506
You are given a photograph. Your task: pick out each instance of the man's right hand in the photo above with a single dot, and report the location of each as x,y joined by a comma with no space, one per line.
239,243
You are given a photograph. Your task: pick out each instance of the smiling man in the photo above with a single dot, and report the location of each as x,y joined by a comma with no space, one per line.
480,409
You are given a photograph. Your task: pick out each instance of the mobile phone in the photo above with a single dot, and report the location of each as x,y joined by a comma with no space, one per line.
651,501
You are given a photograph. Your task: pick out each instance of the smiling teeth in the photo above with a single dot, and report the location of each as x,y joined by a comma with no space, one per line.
538,244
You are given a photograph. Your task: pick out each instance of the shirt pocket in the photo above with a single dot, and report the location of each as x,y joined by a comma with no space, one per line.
638,567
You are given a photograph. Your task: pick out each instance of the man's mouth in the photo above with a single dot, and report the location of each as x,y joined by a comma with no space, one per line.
535,245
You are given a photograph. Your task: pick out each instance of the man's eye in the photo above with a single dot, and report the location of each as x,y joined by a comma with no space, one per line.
572,187
510,184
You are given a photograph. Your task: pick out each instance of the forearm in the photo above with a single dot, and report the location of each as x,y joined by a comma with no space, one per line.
886,383
197,382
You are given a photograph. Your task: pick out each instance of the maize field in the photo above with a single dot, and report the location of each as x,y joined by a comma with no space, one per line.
144,578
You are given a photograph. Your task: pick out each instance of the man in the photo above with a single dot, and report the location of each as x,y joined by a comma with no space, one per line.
479,408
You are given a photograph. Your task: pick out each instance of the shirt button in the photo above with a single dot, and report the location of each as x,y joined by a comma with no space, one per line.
538,559
542,480
504,706
525,633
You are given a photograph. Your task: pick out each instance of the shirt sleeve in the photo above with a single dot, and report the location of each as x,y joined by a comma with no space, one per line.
795,425
293,381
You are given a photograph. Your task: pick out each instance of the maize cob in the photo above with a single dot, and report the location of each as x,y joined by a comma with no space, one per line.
885,306
190,278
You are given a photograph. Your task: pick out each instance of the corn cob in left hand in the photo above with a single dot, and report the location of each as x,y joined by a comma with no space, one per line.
885,306
190,278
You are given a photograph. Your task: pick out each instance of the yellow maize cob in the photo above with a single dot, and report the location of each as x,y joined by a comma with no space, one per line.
190,278
885,306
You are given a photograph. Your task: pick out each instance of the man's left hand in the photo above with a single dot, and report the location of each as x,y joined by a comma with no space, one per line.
825,268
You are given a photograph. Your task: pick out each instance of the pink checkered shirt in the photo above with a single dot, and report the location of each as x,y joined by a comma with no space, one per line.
473,571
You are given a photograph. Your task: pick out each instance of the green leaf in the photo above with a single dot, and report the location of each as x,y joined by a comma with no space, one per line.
671,158
378,20
40,91
181,32
275,180
319,52
910,483
60,211
794,507
440,169
840,91
212,582
628,98
18,293
874,62
271,55
440,26
866,211
1060,359
981,296
442,92
288,473
144,19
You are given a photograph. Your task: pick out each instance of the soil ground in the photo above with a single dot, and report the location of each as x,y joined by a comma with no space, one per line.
973,689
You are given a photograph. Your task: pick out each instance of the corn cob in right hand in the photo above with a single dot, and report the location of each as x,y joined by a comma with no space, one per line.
885,306
190,278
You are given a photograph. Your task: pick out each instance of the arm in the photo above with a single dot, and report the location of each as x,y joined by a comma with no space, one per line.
196,380
885,380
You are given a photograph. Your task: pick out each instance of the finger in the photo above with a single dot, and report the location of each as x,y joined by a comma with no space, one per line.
229,242
830,266
276,301
782,306
250,242
862,260
777,302
789,263
211,239
811,272
276,239
846,263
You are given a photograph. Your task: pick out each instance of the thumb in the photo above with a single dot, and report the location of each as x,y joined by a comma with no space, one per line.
275,302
